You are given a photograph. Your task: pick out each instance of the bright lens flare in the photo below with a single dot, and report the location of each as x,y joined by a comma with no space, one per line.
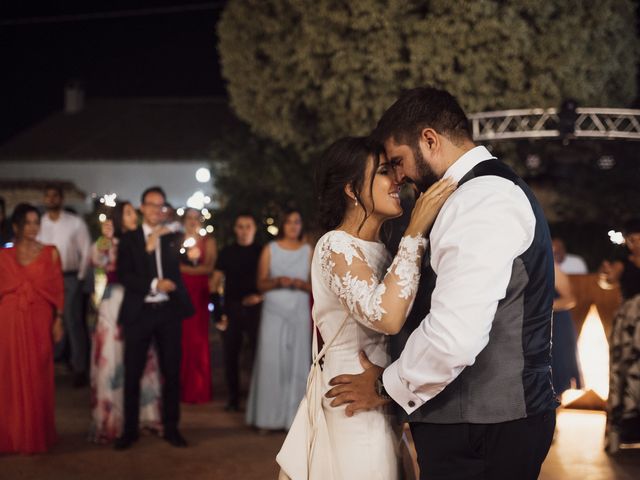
593,351
203,175
189,242
616,237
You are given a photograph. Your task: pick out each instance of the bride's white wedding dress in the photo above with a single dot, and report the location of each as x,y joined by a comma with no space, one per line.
355,277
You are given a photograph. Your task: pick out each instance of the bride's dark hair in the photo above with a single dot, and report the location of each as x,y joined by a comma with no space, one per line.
343,163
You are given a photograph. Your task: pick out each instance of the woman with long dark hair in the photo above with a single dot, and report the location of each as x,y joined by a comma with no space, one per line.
361,295
107,349
284,339
31,302
198,259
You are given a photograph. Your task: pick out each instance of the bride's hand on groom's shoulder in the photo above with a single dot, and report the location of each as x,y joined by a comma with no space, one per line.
428,206
358,392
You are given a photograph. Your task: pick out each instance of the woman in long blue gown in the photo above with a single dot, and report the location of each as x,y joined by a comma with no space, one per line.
283,355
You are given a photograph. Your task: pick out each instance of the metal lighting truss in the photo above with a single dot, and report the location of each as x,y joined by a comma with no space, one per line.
606,123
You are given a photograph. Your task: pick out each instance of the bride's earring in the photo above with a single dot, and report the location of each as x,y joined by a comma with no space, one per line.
356,203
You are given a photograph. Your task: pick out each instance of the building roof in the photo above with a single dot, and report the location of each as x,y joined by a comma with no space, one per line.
126,129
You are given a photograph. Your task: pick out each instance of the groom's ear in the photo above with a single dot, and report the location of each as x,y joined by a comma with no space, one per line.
429,137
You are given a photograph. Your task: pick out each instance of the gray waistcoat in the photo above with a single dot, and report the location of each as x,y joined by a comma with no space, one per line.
511,377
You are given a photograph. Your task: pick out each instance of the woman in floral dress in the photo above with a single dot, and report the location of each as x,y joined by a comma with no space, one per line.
107,352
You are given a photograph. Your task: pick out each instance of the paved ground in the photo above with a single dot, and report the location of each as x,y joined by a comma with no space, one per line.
222,447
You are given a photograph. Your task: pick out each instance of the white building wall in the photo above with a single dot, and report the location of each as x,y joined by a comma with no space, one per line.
127,179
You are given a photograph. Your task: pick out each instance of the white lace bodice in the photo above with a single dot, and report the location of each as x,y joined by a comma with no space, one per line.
356,278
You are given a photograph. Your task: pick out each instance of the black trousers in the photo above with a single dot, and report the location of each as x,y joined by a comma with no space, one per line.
510,450
158,323
242,321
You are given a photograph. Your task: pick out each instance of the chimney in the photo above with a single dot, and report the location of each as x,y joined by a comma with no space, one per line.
73,97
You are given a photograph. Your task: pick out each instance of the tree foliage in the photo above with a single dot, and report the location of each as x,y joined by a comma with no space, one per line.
306,72
255,175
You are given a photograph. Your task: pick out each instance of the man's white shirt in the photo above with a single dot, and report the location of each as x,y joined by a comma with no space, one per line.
573,265
71,237
154,295
482,228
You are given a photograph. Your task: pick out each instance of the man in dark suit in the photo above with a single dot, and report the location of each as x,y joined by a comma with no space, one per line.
155,302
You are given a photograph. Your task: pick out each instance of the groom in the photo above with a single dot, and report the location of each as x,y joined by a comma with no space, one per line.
475,375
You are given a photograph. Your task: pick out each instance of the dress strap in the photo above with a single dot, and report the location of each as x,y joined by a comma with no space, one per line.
317,356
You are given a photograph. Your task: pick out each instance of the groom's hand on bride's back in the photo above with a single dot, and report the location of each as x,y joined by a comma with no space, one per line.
358,392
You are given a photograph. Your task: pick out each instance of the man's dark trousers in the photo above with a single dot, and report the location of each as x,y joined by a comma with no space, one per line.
511,450
159,324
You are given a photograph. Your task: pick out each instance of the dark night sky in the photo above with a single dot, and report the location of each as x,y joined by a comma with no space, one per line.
161,54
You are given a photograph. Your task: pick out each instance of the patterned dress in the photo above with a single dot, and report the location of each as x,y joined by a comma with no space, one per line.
623,404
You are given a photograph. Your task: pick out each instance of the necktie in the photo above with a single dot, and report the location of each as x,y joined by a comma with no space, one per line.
155,262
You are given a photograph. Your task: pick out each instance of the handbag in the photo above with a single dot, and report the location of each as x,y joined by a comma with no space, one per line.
306,451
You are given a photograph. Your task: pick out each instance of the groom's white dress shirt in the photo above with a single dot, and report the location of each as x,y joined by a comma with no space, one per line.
482,228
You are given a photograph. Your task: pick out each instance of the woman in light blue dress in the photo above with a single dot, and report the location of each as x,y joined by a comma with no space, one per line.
283,356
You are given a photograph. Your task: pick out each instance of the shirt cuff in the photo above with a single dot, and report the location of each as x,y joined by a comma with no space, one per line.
154,284
396,389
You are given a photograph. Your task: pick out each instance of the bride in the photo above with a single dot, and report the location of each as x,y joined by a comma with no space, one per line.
353,276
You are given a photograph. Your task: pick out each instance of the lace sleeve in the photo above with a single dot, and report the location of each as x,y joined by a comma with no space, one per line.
380,305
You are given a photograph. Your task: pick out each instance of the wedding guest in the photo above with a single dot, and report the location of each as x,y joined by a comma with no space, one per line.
284,341
623,404
569,263
240,315
70,235
107,379
154,304
197,261
564,351
6,233
31,303
624,269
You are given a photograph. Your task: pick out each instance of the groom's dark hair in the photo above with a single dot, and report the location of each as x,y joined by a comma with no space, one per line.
420,108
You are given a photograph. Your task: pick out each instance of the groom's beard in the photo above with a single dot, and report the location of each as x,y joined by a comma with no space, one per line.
426,176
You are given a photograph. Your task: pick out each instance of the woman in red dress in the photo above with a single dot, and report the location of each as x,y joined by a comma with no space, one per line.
199,254
31,302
